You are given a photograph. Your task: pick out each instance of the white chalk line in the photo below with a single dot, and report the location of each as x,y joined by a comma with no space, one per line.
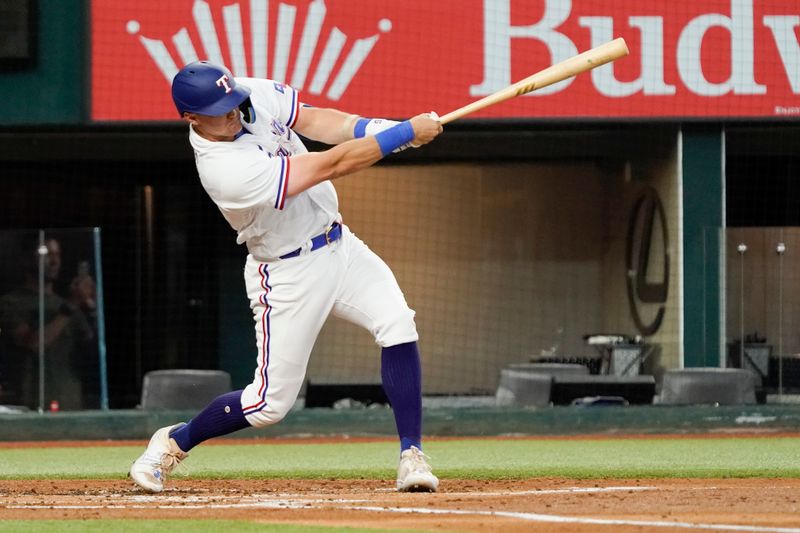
280,504
266,501
573,490
259,500
535,517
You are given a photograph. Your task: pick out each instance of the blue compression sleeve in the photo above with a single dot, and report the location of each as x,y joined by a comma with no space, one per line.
395,137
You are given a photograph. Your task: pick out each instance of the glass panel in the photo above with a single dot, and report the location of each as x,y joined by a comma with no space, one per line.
763,295
50,320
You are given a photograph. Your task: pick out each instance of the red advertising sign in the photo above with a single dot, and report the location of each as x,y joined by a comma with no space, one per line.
706,58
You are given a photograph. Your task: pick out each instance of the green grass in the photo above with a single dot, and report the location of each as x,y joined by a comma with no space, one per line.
473,459
171,526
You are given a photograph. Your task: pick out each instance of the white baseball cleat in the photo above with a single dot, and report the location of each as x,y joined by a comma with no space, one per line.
162,455
414,473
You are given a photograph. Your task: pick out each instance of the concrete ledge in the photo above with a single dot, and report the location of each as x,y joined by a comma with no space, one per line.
520,388
721,386
469,421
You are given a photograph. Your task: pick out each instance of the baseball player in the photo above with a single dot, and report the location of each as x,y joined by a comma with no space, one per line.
303,262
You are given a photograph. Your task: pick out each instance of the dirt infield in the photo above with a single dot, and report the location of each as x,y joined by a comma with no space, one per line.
558,505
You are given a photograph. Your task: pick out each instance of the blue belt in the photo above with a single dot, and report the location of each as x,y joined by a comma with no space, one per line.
331,234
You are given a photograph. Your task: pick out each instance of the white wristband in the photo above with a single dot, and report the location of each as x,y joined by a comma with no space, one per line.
377,125
372,126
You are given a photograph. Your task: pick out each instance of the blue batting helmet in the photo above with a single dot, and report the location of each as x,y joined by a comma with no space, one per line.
207,89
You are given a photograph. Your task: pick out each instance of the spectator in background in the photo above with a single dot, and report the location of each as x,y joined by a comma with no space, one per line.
67,331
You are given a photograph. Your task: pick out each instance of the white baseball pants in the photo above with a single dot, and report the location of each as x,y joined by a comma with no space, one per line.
292,298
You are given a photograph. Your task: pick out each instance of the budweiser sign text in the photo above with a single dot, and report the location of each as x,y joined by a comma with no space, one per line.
706,58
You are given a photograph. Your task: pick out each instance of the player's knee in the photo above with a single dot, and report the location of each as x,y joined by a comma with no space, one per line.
269,415
396,328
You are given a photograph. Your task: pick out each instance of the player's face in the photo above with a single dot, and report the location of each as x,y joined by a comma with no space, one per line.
218,128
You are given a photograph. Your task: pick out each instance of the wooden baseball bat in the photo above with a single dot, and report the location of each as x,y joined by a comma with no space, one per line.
600,55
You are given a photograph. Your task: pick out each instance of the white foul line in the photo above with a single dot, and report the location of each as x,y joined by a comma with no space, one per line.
573,490
535,517
255,501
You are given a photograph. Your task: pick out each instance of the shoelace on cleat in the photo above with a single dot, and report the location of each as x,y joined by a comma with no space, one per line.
418,460
169,461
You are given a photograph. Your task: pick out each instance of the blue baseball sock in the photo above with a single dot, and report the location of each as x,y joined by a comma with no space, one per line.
402,382
220,417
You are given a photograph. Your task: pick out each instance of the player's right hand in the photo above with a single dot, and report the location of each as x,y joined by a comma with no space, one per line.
426,128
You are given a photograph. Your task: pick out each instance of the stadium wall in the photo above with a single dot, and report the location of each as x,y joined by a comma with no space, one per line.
488,203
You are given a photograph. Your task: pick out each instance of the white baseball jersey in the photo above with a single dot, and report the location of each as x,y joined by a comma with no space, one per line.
291,298
248,178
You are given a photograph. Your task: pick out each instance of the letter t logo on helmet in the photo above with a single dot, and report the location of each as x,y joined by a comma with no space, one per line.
195,89
223,82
